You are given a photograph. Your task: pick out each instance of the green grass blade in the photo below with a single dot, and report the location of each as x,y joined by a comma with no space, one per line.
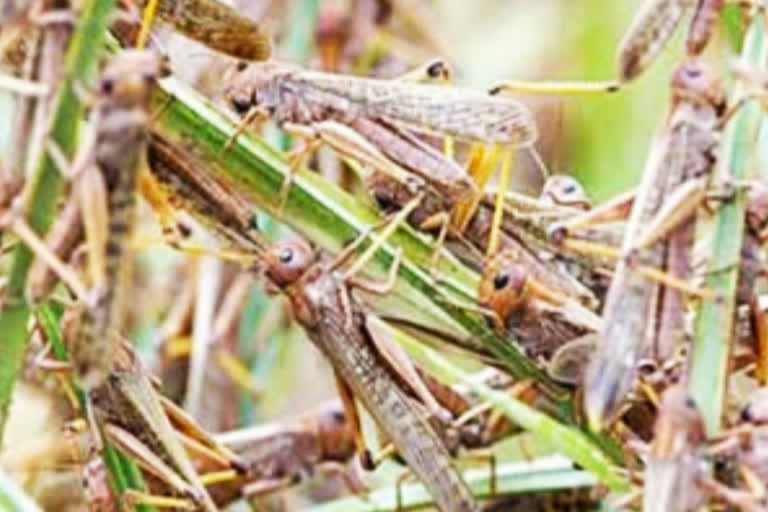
540,475
714,323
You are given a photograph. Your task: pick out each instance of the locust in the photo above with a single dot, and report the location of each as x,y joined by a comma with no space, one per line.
278,454
186,185
290,94
539,307
133,418
542,318
477,232
399,416
675,179
216,25
379,121
164,440
120,396
338,325
534,223
119,151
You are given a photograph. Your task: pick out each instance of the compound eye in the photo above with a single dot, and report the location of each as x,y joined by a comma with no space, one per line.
240,104
501,281
693,72
107,86
286,255
289,260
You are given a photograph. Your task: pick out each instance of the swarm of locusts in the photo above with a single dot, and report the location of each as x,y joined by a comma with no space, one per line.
168,238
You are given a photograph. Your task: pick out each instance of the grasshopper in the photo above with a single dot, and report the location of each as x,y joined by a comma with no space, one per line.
378,121
119,391
217,26
292,95
119,151
392,194
681,160
187,186
281,453
534,224
134,419
402,419
337,324
133,416
542,318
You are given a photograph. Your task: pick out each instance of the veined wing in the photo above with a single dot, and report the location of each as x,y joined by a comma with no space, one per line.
466,114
